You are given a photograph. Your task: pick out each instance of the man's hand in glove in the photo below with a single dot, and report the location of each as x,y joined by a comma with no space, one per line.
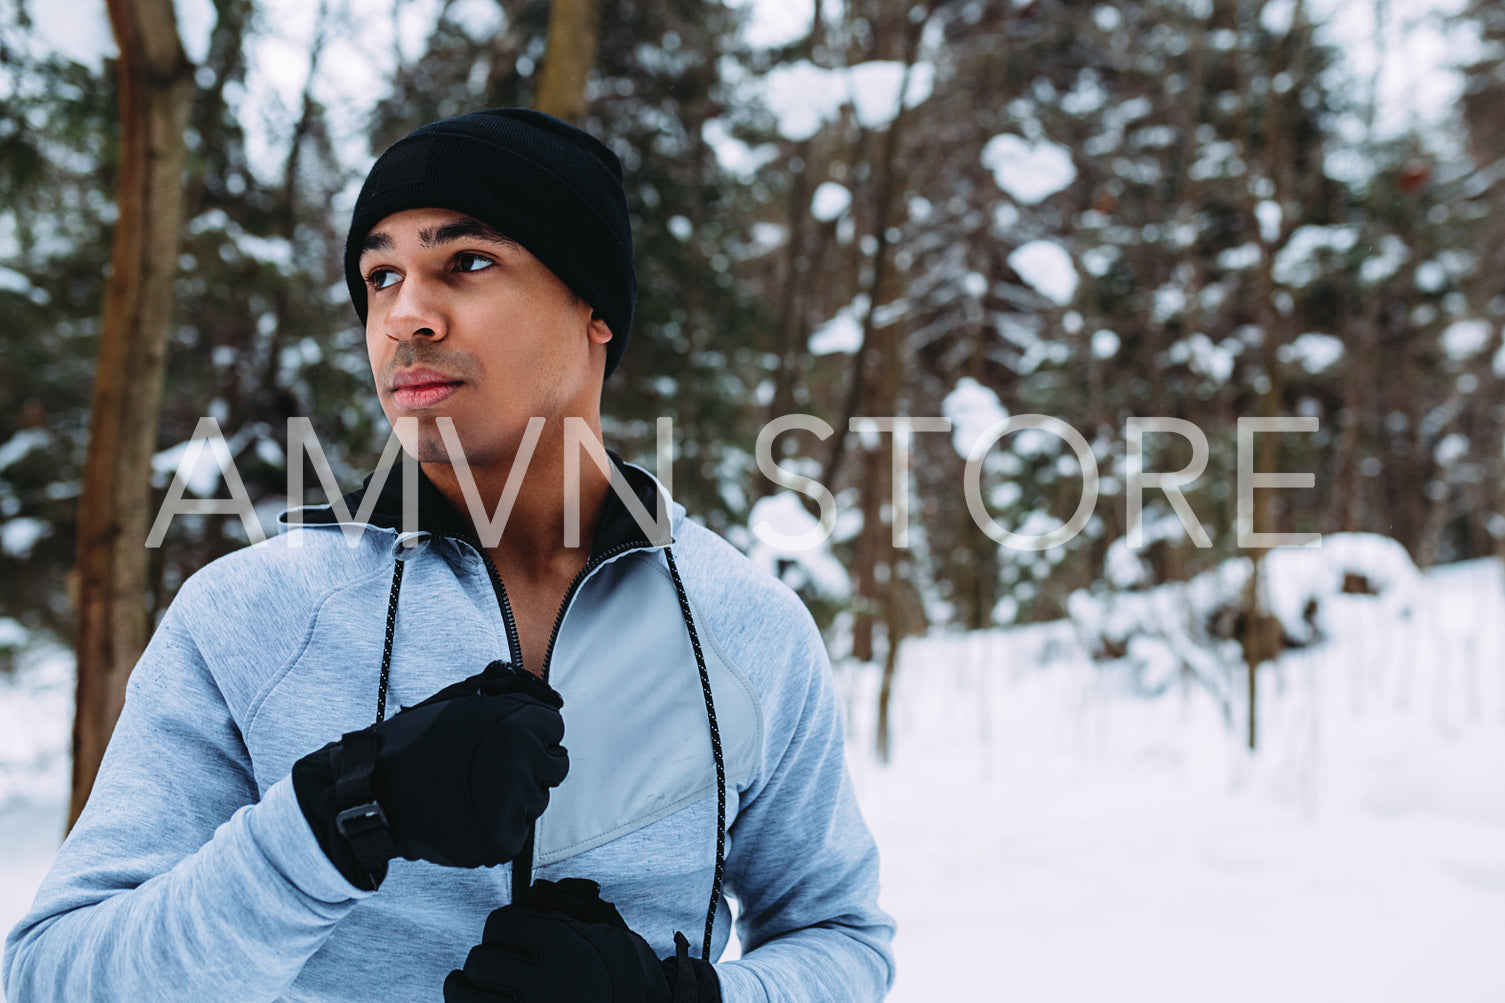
457,779
565,944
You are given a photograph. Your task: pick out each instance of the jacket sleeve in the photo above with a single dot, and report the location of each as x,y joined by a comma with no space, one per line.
803,865
177,883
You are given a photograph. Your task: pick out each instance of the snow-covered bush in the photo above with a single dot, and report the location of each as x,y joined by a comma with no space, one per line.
1191,630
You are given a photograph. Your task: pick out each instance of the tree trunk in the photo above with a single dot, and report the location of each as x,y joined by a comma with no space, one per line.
886,391
873,545
791,345
894,629
793,338
885,188
1343,507
156,85
573,26
880,400
1262,640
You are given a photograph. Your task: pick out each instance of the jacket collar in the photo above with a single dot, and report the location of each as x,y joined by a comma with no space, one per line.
616,528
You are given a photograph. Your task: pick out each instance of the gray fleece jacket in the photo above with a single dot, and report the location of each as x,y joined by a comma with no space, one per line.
193,875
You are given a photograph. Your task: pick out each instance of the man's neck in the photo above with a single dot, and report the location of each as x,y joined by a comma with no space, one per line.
532,543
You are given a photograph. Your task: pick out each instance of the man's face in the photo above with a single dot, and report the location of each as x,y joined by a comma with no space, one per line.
465,324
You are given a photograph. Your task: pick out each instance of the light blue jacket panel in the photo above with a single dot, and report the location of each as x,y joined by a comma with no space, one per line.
192,874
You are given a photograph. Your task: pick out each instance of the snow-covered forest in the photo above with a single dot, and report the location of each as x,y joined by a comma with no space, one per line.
1153,761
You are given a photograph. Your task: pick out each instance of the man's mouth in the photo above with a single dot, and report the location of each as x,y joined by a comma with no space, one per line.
421,388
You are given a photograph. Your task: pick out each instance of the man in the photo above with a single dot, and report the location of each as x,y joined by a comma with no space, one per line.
253,836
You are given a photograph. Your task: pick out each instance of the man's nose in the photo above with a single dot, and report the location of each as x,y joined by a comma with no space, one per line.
417,312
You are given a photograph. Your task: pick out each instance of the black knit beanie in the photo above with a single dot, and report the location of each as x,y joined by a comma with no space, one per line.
553,188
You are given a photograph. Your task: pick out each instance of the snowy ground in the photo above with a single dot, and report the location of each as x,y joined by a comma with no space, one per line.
1047,837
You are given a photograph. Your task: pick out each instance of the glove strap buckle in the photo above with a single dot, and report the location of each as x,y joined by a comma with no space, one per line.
356,822
360,818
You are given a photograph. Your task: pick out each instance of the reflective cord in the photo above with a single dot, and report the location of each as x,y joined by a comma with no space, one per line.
710,712
386,652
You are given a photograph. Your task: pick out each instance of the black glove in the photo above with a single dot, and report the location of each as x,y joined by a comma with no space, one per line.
565,944
457,779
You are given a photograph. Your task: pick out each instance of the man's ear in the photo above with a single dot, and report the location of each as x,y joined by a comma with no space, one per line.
600,334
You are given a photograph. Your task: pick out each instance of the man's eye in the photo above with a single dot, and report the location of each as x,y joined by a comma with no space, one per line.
381,278
468,262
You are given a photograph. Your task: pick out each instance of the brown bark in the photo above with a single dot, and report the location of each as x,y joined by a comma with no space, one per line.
857,389
790,344
878,536
880,399
695,331
872,546
792,336
573,27
289,198
1262,638
885,190
156,85
894,628
887,391
1342,513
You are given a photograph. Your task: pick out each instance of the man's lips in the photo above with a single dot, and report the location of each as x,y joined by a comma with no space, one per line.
422,395
420,388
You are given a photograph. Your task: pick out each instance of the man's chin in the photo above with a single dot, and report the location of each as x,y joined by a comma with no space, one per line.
421,437
459,442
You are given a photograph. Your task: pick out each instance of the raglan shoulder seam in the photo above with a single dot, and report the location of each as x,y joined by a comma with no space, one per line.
275,676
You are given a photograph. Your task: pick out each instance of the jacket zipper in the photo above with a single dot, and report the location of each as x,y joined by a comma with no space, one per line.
514,641
596,560
522,865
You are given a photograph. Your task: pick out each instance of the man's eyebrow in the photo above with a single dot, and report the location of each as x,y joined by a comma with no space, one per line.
376,240
460,229
463,229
